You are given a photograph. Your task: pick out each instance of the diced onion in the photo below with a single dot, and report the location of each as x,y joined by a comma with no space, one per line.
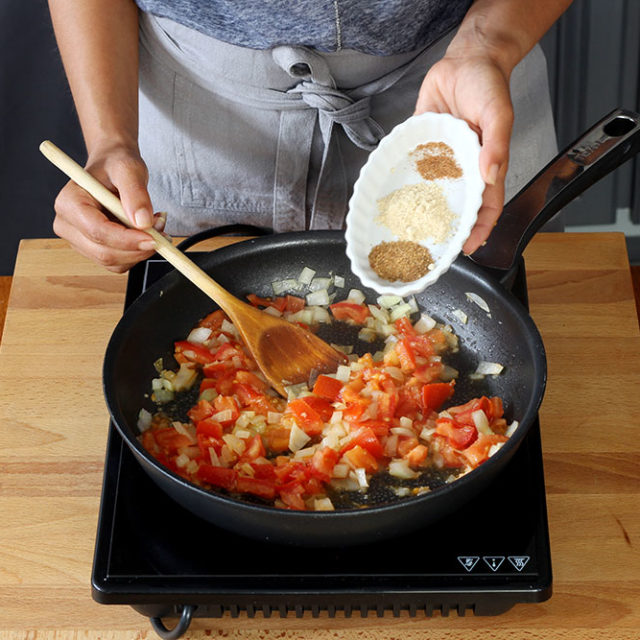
319,315
424,324
361,476
186,376
338,281
401,469
389,300
511,428
223,416
403,431
297,438
367,335
461,315
343,373
272,311
199,335
356,296
475,298
323,504
481,422
400,311
144,420
320,297
489,368
306,275
228,327
281,286
341,470
320,283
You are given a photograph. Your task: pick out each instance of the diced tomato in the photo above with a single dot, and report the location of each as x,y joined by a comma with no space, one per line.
213,321
360,458
478,452
209,427
291,495
406,444
194,352
227,403
264,470
215,369
293,304
417,455
406,356
204,409
349,311
321,406
254,449
387,404
422,345
428,372
367,439
257,301
252,380
306,417
218,476
434,395
323,461
451,458
226,351
492,408
405,328
256,486
327,387
380,428
459,435
276,439
207,383
169,440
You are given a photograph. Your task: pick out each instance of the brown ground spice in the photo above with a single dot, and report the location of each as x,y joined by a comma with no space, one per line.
436,160
400,260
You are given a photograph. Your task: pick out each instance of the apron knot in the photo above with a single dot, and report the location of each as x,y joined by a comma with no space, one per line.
317,89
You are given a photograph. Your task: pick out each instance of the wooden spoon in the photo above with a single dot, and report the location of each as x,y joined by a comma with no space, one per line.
286,353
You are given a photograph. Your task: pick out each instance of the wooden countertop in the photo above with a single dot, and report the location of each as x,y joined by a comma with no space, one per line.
61,312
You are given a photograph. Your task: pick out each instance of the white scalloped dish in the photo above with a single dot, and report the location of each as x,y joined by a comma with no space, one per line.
392,166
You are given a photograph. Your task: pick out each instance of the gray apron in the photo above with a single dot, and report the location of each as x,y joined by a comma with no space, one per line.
277,137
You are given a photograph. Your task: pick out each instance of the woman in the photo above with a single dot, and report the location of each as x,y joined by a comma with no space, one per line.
265,115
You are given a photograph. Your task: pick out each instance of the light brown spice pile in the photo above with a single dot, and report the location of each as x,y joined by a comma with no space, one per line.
436,160
416,212
400,260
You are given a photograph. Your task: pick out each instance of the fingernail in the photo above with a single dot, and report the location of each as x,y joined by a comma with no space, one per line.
160,221
147,245
492,174
143,219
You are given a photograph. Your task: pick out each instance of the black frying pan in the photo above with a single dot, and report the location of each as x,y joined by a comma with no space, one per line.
168,310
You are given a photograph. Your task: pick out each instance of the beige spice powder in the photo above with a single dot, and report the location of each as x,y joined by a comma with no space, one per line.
416,212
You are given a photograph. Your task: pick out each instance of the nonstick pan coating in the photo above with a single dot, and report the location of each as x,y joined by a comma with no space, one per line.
168,310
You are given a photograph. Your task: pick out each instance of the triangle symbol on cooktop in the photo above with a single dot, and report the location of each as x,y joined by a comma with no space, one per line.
519,562
493,562
468,562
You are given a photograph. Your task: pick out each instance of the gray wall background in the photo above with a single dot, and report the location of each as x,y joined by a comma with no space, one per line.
593,54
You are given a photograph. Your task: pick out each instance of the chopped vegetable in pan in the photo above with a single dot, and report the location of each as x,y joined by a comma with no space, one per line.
384,413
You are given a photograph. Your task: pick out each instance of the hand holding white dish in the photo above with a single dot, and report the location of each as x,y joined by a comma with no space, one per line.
394,170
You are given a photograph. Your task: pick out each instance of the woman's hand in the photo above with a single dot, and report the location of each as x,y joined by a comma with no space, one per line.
472,82
95,233
473,87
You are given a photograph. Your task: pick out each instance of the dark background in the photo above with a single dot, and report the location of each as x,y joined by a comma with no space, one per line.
593,55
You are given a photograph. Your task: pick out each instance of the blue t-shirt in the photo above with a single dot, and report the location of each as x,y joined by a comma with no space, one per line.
382,27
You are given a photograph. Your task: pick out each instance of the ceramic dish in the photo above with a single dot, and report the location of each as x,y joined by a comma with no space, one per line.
391,166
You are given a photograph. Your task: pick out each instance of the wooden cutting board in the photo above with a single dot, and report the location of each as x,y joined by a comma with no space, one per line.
53,420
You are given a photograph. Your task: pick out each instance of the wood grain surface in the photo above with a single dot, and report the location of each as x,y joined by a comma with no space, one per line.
54,423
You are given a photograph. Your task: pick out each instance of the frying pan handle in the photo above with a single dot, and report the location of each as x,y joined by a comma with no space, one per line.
603,148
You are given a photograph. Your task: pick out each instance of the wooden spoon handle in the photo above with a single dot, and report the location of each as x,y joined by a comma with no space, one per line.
112,203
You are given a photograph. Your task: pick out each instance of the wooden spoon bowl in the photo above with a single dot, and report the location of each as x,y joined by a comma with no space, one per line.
286,353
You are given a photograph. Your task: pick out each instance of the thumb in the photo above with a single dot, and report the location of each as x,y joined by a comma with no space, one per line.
130,180
494,154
